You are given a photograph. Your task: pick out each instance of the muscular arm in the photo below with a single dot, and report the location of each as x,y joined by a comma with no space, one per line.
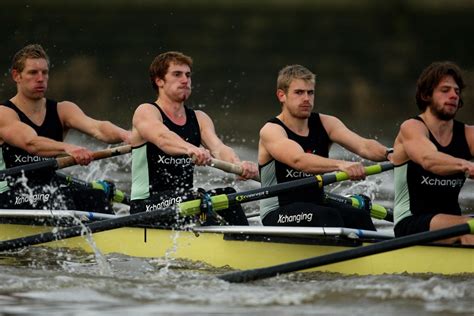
221,151
340,134
274,143
148,127
73,117
413,140
210,140
21,135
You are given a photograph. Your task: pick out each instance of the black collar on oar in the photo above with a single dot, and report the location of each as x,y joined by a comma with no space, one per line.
108,187
223,201
62,162
362,202
383,246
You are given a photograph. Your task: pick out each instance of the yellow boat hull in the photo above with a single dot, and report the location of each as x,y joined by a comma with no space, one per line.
215,250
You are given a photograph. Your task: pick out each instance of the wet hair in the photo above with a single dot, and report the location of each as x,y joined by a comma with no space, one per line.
431,77
292,72
159,66
32,51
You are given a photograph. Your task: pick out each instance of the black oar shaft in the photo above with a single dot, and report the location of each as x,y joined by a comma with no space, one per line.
383,246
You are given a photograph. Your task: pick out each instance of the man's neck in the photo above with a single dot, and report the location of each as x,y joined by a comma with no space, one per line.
27,105
174,110
297,125
442,130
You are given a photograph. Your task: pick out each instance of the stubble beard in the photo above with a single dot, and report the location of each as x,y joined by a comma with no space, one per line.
443,115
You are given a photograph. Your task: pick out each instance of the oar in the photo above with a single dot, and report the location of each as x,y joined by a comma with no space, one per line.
117,195
63,162
380,247
229,167
223,201
189,208
376,211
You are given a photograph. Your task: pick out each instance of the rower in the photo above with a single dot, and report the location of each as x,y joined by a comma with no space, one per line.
432,153
168,139
32,129
295,144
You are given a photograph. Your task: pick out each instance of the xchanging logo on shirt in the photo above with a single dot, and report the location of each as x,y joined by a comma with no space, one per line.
297,218
32,198
29,159
426,180
291,173
174,160
163,204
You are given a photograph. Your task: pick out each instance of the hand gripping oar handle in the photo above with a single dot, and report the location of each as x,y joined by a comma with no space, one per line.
223,201
62,162
229,167
383,246
68,161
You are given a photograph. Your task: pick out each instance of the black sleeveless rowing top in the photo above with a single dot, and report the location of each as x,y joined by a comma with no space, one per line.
155,171
274,172
418,191
51,128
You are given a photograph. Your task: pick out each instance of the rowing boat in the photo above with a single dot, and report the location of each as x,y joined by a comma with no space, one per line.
250,247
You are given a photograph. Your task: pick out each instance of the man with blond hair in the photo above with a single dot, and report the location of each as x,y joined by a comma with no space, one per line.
295,144
32,129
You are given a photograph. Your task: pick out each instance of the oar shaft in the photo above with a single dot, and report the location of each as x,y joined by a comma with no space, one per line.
223,201
383,246
68,161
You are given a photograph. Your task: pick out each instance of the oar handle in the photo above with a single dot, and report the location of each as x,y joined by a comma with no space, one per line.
68,161
326,179
229,167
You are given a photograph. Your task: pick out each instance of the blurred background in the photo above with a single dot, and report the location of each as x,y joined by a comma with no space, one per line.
367,55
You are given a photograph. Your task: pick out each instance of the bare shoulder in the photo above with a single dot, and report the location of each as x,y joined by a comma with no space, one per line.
271,130
412,125
201,115
68,107
330,121
7,114
147,111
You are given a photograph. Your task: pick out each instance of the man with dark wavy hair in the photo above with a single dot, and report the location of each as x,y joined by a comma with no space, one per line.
32,128
431,154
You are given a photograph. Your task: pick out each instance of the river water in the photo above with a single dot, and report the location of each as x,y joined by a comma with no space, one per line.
41,281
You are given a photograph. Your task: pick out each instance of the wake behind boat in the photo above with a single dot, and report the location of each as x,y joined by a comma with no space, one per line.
248,247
